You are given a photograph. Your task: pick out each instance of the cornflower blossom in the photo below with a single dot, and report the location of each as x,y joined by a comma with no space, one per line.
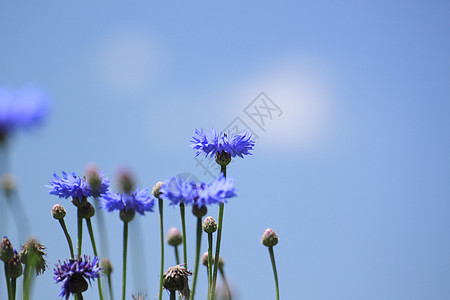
21,108
214,143
138,201
177,190
70,185
73,274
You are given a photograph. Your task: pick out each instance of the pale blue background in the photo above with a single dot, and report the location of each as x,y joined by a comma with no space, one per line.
354,175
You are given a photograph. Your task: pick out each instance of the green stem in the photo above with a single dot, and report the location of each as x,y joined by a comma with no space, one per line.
125,242
172,295
8,280
210,265
26,281
94,247
13,288
80,297
80,233
197,255
274,267
66,233
225,283
110,287
161,228
177,257
183,225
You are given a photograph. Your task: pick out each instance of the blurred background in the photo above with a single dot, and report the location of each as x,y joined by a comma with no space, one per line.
351,165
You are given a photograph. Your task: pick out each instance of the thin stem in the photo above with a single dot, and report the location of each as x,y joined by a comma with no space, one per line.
177,257
8,281
172,295
80,297
99,213
66,233
125,242
183,225
223,170
91,235
274,267
197,255
225,283
13,288
161,228
80,232
110,287
26,281
210,266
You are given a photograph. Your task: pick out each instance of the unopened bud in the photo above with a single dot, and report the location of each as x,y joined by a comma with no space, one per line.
126,181
15,266
93,178
127,215
221,263
174,237
205,259
87,211
58,212
156,191
8,182
107,266
6,250
269,238
209,225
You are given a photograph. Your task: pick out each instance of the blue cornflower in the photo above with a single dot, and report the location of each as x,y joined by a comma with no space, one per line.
138,201
21,108
177,190
70,185
212,143
73,274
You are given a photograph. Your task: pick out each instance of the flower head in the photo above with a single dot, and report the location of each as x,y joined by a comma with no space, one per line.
21,108
213,143
70,185
33,254
74,273
178,190
138,201
176,279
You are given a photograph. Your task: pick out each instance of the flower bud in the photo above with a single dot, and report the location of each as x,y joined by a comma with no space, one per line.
223,158
209,225
6,250
205,259
174,237
107,266
127,215
92,176
156,191
221,263
15,266
269,238
87,211
126,181
199,211
8,183
58,212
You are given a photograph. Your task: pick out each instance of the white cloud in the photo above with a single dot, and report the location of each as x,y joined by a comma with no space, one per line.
127,61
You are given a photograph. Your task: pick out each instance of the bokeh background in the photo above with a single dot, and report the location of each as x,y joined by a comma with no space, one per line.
352,172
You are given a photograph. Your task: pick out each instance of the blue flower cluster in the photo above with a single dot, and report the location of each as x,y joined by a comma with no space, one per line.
212,143
139,201
178,190
76,187
73,273
21,108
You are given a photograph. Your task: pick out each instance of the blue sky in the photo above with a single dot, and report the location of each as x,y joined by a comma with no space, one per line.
353,175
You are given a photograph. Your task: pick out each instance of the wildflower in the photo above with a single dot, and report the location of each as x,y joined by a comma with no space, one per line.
15,266
58,212
217,191
213,143
70,185
156,191
176,279
269,238
178,190
97,182
33,254
138,201
74,273
107,266
6,249
174,237
21,108
209,225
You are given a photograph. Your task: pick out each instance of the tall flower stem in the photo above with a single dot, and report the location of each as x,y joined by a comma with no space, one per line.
110,287
274,267
183,225
172,295
223,170
210,266
66,233
177,257
161,228
26,281
8,280
125,242
197,255
225,283
80,233
94,247
13,288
